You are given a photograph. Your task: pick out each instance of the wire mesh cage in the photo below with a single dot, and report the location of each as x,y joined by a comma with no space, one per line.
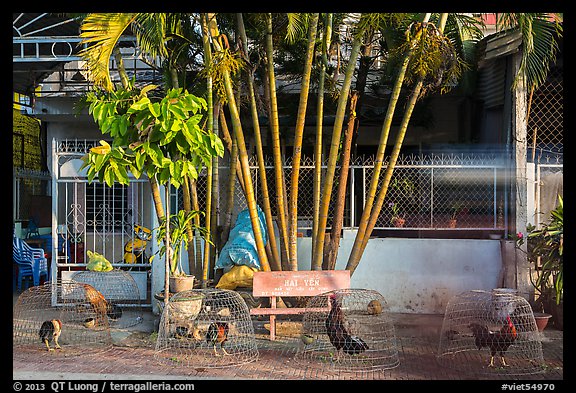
208,328
349,329
63,317
121,293
490,332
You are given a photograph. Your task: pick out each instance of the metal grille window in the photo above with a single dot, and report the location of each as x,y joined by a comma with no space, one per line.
106,206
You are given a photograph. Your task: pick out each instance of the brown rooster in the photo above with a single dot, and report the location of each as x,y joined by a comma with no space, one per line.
498,341
98,302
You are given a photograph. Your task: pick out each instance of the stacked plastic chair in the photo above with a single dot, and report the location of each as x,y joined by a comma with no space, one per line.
31,262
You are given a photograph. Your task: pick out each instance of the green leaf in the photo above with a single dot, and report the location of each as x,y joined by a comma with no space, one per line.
139,105
154,109
217,145
178,112
146,89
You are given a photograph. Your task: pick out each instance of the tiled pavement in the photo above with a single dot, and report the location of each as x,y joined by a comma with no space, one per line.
417,338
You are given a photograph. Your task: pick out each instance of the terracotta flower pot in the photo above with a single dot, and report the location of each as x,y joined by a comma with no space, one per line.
181,283
452,223
541,320
399,222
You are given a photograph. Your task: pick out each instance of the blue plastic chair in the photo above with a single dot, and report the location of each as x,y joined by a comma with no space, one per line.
31,262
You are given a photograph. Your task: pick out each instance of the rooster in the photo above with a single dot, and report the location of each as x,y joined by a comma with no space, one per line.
100,305
498,341
50,330
218,333
338,331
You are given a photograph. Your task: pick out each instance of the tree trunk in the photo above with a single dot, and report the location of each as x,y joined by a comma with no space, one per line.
275,130
319,129
353,262
229,143
297,153
362,234
237,127
227,221
272,243
337,221
198,270
333,155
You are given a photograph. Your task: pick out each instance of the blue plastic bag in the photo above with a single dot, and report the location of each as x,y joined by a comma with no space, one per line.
240,249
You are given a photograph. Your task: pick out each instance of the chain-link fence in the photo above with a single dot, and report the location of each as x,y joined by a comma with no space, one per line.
427,191
31,187
545,123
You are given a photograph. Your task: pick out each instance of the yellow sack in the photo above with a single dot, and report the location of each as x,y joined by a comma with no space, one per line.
237,276
97,262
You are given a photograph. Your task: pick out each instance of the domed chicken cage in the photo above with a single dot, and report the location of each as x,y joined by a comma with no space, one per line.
208,328
490,332
121,292
349,329
70,315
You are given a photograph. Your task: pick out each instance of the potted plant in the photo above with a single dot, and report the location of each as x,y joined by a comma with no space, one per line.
397,219
453,221
545,250
403,188
179,280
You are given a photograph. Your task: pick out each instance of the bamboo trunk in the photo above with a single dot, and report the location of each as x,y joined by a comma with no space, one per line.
333,155
243,154
297,153
337,221
276,150
318,146
275,257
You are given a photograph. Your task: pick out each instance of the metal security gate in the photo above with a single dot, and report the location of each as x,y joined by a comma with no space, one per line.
94,217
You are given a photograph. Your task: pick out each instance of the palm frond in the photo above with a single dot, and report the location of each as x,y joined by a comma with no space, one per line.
297,26
151,29
539,32
101,32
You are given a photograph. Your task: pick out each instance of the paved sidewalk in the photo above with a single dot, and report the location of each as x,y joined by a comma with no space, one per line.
132,358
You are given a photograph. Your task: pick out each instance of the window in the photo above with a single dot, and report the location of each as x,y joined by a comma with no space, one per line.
107,207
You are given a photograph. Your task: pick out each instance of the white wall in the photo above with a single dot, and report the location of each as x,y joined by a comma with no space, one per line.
419,275
413,275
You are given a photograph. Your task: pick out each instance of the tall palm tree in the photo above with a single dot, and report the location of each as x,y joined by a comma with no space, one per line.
212,26
333,154
276,149
298,134
275,262
355,254
338,218
319,127
422,69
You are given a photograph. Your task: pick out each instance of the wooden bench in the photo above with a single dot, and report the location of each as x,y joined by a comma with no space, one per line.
306,283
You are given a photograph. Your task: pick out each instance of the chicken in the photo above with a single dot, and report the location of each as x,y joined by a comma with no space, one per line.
338,332
114,311
50,330
100,305
97,301
218,334
498,341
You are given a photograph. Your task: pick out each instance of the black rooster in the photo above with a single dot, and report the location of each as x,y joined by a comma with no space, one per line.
338,333
218,333
498,341
50,330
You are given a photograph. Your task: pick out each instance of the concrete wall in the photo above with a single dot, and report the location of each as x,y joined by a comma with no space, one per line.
413,275
419,275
